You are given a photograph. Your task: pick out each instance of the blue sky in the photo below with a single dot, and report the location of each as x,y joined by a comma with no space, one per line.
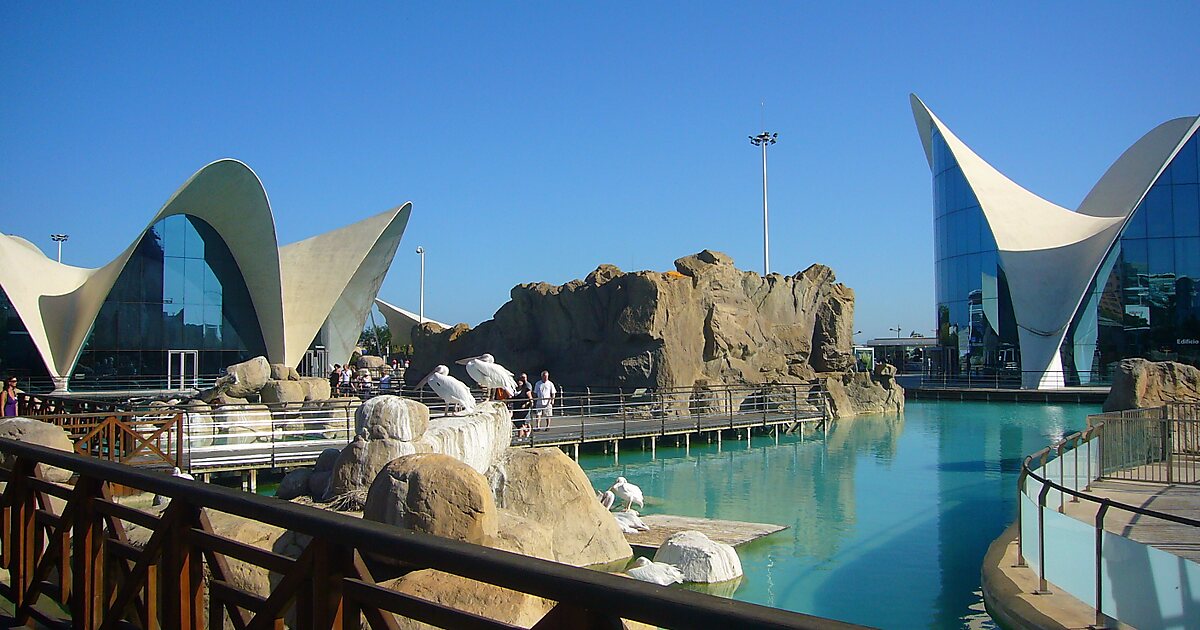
539,140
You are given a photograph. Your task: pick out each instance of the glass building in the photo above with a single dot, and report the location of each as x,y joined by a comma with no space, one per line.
1064,295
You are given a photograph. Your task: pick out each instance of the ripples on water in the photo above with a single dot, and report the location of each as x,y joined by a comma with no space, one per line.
888,516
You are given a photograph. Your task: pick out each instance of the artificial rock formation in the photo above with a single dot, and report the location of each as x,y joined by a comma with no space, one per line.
707,320
854,393
434,494
699,558
1138,383
41,433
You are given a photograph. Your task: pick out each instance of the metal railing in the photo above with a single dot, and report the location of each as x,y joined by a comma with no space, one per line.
1158,444
1008,379
1064,473
80,560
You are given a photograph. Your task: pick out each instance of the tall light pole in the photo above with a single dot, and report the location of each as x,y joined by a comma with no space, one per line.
763,140
421,253
59,238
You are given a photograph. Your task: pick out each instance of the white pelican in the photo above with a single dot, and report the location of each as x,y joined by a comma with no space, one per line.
659,573
606,499
175,472
630,519
627,492
448,388
489,374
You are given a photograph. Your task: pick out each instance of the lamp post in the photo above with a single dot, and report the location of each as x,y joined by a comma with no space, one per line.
59,238
421,253
763,140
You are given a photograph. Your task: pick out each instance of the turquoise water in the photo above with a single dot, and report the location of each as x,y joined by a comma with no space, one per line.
888,516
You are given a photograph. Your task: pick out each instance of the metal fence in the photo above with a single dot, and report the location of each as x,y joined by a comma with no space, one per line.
1057,546
1158,444
1010,379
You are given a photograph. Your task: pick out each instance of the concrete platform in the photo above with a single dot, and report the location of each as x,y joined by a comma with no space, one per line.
663,526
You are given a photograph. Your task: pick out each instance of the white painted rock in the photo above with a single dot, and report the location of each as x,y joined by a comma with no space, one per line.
477,439
391,417
700,559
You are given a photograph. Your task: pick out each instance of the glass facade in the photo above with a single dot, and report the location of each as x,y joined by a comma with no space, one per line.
976,330
181,290
18,355
1144,302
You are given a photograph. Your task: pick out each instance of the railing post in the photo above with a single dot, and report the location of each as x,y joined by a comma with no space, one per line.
87,601
1042,587
183,599
1021,477
729,401
1168,444
1075,459
21,536
1062,475
1101,618
621,403
662,414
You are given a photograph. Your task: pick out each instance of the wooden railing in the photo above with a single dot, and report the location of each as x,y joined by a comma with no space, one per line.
156,439
80,560
47,404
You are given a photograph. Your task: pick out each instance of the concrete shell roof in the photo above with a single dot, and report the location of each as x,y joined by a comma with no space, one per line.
59,303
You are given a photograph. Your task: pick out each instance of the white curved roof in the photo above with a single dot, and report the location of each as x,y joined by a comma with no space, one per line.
401,321
289,287
1051,254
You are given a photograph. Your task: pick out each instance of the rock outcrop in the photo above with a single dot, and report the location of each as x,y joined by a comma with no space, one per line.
699,558
707,320
245,378
855,393
486,600
434,494
545,486
1139,383
41,433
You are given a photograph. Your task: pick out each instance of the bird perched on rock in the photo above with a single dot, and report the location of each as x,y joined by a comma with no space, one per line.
627,492
448,388
659,573
489,374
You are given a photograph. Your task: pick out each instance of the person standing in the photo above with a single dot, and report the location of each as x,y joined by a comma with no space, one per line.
335,379
544,392
8,398
522,402
347,381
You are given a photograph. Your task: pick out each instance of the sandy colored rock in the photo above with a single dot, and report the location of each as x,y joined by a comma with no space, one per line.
32,431
246,378
242,424
545,486
856,393
522,535
315,388
369,362
707,320
699,558
360,462
501,604
392,417
281,372
434,494
1139,383
274,391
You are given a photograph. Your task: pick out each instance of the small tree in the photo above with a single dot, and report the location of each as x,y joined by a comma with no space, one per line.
376,340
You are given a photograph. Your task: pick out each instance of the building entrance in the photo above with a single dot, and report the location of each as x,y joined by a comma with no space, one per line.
183,366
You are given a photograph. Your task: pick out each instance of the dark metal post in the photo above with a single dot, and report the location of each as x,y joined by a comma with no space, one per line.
1042,587
1101,618
624,419
1024,474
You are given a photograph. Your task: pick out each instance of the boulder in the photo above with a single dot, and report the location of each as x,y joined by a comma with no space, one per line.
360,462
326,460
705,321
699,558
318,484
41,433
391,417
246,378
274,391
524,536
494,602
545,486
1139,383
329,419
315,388
434,494
294,484
856,393
242,424
370,362
281,372
478,439
201,432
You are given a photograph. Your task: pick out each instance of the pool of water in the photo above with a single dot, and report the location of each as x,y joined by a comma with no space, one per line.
888,516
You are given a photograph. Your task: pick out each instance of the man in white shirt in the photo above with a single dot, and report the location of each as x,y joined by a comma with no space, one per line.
544,392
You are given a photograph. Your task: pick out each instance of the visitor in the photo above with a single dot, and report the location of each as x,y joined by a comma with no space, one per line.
364,382
8,398
335,380
346,383
543,393
385,381
522,402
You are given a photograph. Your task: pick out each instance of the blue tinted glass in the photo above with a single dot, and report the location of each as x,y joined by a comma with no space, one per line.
173,325
173,271
1157,207
1187,257
1184,168
1161,256
193,281
174,228
1186,204
1136,228
193,246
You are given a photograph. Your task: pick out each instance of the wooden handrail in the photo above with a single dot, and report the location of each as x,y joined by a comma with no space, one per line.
337,573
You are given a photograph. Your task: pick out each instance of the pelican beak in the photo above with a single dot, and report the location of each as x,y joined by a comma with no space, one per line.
422,382
465,361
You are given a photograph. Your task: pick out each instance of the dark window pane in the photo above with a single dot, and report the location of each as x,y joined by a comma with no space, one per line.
1184,168
1186,203
1158,212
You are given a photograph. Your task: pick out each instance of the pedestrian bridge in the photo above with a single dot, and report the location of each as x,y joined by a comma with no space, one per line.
255,437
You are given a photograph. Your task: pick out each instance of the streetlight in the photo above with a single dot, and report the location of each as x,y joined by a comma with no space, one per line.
59,238
421,253
763,140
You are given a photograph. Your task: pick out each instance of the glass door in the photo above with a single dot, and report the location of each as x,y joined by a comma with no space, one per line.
182,368
316,362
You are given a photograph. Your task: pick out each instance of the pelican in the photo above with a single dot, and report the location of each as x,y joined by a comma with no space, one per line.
489,374
627,492
630,519
606,499
448,388
175,472
659,573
